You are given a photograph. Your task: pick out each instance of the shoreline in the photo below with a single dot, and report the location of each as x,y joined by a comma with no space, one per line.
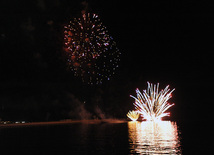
64,122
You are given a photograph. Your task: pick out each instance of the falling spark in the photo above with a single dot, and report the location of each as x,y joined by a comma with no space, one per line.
133,115
152,103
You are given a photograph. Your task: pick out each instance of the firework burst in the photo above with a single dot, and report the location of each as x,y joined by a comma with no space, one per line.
91,52
133,115
152,103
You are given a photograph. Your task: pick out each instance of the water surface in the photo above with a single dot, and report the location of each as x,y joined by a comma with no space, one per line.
93,138
154,137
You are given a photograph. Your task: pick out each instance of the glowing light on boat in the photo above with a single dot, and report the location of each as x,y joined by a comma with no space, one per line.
133,115
152,104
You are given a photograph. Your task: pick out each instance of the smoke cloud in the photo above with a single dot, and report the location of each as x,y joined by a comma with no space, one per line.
78,110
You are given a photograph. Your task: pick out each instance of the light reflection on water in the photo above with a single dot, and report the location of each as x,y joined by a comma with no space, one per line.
154,137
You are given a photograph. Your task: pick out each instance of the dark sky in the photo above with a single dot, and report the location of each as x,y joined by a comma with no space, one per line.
160,42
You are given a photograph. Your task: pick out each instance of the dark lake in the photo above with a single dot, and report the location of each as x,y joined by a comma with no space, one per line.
166,137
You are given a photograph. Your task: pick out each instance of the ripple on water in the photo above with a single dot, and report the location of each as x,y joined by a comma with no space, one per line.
154,137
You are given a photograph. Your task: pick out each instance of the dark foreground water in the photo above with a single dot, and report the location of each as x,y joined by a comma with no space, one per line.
104,138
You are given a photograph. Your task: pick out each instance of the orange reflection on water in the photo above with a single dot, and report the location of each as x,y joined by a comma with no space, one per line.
150,137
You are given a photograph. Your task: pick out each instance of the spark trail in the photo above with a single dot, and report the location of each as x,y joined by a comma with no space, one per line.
152,104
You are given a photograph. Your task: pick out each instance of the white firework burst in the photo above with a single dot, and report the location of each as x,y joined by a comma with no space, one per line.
133,115
152,104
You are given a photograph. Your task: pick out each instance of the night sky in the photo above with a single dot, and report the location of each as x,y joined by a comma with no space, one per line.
159,42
